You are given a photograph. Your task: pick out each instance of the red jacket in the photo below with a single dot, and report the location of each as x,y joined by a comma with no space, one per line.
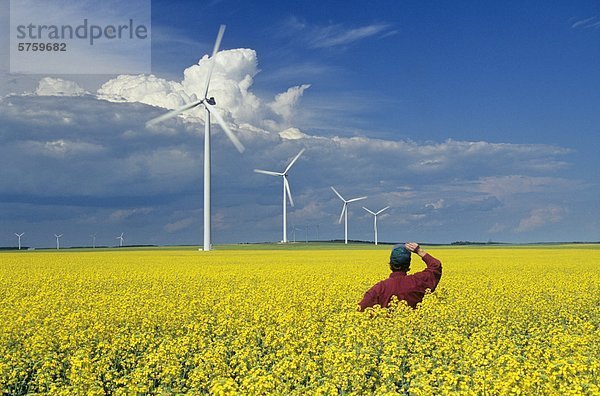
410,288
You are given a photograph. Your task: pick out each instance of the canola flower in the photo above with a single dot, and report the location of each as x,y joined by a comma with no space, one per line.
503,321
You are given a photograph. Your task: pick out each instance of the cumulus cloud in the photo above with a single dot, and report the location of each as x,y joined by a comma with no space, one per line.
284,102
49,86
292,134
231,82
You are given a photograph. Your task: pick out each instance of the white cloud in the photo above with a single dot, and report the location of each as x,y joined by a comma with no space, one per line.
503,186
436,205
292,134
335,35
592,22
541,217
49,86
62,147
123,214
231,82
497,228
179,225
285,102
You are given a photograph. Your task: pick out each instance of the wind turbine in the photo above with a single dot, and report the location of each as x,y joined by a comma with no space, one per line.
93,241
344,213
375,214
19,236
287,194
121,240
209,108
57,241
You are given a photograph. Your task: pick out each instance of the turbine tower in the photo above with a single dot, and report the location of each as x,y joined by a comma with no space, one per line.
375,214
93,241
209,108
57,241
344,213
287,194
120,240
19,236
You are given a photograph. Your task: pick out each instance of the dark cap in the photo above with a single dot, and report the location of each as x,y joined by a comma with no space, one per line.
400,256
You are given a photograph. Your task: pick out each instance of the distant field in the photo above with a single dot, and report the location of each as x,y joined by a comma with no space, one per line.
273,319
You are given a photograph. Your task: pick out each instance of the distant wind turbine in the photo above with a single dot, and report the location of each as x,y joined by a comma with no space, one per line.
208,104
93,241
375,214
19,236
344,213
287,194
120,240
57,240
294,229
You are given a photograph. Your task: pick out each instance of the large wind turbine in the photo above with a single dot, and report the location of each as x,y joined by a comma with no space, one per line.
375,214
93,241
287,194
120,240
345,212
57,242
208,104
19,236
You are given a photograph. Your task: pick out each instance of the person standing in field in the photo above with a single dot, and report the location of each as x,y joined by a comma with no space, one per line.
410,288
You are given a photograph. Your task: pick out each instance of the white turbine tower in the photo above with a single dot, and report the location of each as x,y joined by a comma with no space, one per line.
375,214
57,241
345,212
208,104
19,236
287,194
120,240
93,241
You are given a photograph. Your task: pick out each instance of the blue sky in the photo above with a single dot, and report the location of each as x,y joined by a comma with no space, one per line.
472,120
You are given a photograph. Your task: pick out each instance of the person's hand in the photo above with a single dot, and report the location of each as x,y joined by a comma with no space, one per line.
415,248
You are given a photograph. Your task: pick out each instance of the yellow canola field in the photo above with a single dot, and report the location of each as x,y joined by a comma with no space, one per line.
504,321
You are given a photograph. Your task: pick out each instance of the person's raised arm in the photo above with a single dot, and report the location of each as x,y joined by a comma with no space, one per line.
415,248
430,276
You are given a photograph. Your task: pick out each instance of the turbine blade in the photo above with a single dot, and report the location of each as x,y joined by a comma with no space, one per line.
369,211
287,189
338,194
238,145
293,161
356,199
342,214
212,58
268,172
383,210
173,113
